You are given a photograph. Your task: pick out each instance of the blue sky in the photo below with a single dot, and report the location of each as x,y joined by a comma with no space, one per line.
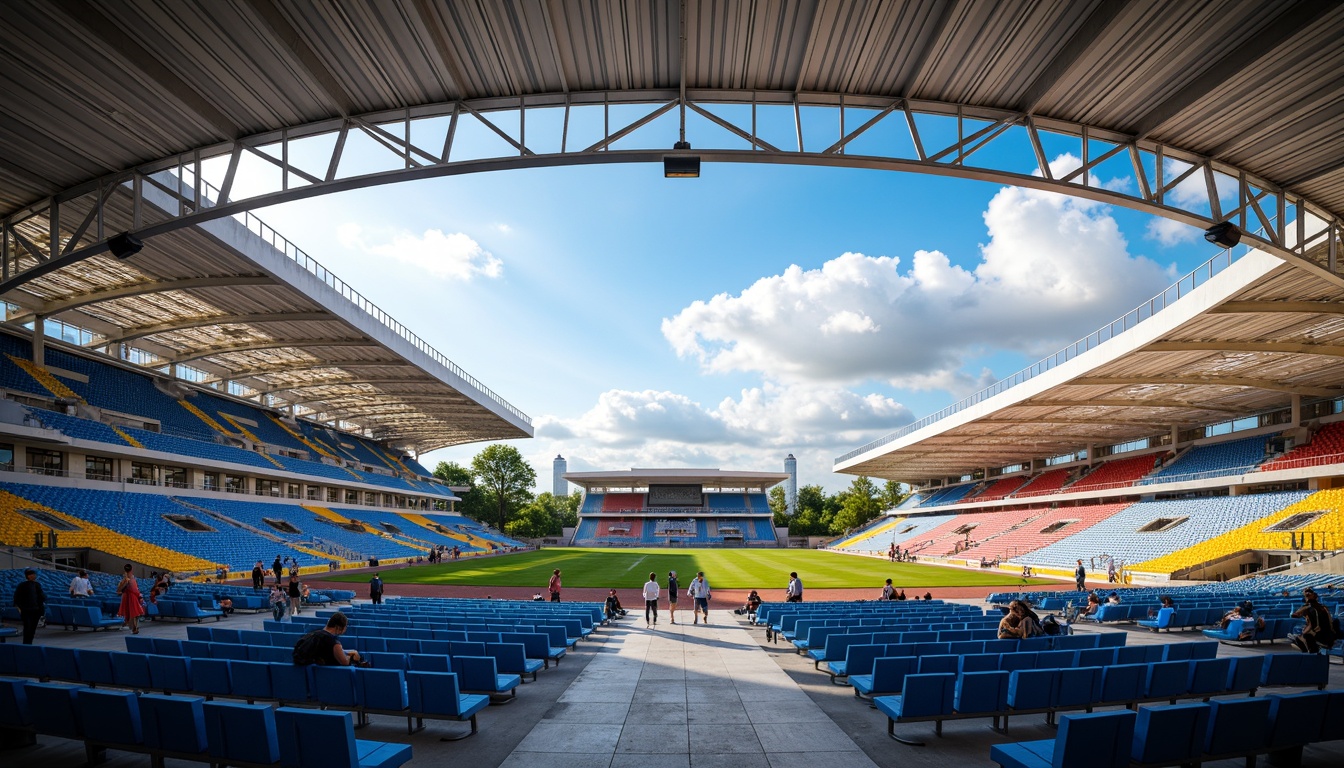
730,320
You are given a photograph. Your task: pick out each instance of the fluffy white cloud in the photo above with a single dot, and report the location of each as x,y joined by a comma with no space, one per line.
453,256
753,431
1054,268
1169,232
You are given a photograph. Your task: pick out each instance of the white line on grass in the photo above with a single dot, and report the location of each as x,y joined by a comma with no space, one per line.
632,565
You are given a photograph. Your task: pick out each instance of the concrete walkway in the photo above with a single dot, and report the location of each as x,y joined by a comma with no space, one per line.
687,696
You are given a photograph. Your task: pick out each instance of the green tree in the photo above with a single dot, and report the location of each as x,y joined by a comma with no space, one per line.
893,493
812,517
779,505
472,504
548,514
452,473
504,478
531,522
859,505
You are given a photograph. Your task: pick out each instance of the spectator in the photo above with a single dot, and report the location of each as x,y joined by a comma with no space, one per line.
672,592
888,591
891,553
794,592
554,586
1110,571
928,596
132,605
226,605
1319,630
700,594
295,595
323,647
613,607
277,600
1080,576
80,586
753,602
258,577
1114,599
376,589
650,600
900,595
31,602
1020,622
278,570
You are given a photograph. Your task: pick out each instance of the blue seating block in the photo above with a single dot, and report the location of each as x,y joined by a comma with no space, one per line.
1169,735
1098,740
312,738
1236,727
241,733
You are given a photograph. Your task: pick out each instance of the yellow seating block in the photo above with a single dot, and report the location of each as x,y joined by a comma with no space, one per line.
18,530
883,528
1252,535
203,416
465,538
131,441
44,377
299,436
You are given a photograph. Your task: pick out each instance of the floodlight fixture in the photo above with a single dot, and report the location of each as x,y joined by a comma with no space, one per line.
1224,234
681,166
125,245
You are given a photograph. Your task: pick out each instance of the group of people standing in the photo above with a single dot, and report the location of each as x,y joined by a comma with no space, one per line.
698,590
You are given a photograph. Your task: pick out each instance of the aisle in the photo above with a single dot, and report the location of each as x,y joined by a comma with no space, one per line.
685,695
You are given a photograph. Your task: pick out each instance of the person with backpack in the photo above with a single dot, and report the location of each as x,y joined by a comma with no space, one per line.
376,590
1319,631
323,646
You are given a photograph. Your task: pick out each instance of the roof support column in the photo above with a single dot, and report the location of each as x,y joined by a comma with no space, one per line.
1296,407
1175,436
39,340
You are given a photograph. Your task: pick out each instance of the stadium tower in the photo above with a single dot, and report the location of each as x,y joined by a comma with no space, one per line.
791,485
559,485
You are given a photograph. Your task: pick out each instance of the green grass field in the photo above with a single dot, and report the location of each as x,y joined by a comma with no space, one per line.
724,568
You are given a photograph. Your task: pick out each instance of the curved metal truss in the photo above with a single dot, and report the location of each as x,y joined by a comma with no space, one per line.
959,140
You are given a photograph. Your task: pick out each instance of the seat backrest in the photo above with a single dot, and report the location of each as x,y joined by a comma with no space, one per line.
980,692
173,723
1245,673
433,693
1010,662
1077,687
54,710
252,679
335,686
1332,726
1170,735
14,703
170,673
1123,682
889,673
243,733
1203,649
424,662
926,695
1167,678
30,660
939,663
1096,657
1032,688
1098,740
1056,659
292,683
1296,718
1237,726
110,717
131,669
311,737
383,689
1209,676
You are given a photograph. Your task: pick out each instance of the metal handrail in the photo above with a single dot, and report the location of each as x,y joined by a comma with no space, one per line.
1195,278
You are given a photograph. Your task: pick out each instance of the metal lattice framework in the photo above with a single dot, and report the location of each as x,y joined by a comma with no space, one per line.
859,132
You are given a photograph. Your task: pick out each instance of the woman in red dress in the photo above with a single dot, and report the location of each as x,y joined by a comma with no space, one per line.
132,607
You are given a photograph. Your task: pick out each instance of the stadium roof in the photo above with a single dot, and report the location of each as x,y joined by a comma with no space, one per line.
91,89
709,478
1254,337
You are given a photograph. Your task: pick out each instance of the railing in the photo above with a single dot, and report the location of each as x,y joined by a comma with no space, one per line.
312,266
1309,461
1200,275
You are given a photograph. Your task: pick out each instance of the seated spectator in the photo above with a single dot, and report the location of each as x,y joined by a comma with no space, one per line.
1114,599
323,646
1166,602
900,595
888,591
1019,623
613,607
928,596
226,605
1319,630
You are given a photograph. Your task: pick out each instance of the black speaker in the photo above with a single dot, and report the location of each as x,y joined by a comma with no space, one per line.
125,245
1225,234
